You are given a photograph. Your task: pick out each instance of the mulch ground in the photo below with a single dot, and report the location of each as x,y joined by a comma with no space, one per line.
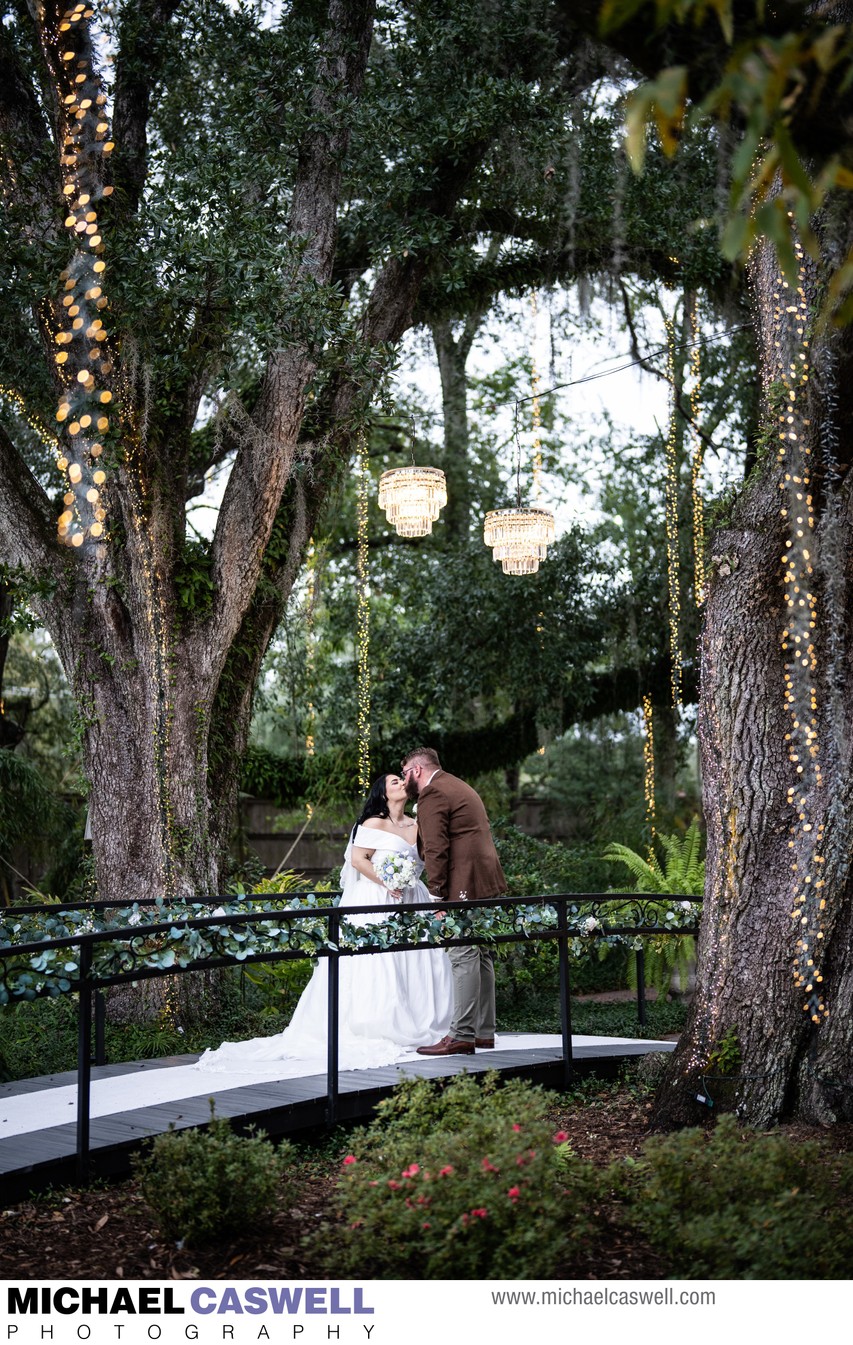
109,1233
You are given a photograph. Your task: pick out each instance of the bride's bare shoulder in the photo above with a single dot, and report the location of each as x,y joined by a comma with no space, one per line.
377,823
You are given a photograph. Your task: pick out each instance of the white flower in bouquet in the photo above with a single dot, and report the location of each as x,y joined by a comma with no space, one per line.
395,871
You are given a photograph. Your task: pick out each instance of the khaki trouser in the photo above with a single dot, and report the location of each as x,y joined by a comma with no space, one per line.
473,992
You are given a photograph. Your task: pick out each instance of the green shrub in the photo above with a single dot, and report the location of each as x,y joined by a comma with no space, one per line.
279,984
39,1037
458,1182
533,866
527,976
742,1205
205,1183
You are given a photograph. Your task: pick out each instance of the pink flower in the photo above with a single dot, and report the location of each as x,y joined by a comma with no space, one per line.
488,1166
561,1137
350,1158
426,1225
479,1214
411,1171
446,1171
516,1127
514,1192
395,1186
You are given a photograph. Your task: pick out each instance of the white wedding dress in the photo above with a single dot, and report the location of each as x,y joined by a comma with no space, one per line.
390,1003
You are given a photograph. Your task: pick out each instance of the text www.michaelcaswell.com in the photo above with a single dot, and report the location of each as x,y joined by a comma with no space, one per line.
589,1298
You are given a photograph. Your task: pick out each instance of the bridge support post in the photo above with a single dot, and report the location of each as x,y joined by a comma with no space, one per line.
641,987
565,989
84,1063
333,1024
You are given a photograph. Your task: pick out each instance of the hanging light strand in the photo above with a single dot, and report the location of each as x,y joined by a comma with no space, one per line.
363,617
649,772
672,558
699,578
311,718
806,837
14,399
83,361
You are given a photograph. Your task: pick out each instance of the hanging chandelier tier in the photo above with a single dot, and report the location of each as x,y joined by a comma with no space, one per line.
519,538
412,498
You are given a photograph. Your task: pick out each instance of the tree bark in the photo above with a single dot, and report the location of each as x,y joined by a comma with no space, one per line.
452,354
776,944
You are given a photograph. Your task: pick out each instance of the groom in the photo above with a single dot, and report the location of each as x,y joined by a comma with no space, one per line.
455,841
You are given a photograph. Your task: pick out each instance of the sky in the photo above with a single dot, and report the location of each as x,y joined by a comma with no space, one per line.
634,402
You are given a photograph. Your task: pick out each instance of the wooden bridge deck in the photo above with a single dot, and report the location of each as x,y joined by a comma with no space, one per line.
46,1157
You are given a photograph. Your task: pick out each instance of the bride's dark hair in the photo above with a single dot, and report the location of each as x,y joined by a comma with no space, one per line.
376,803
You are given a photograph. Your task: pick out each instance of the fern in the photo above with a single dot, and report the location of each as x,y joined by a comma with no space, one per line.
682,871
669,964
681,874
648,874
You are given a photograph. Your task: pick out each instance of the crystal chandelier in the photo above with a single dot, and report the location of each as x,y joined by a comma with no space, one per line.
519,538
412,498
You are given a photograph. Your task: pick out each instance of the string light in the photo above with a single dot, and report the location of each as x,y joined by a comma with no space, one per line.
309,661
649,772
709,997
671,498
806,835
699,577
363,617
14,399
82,359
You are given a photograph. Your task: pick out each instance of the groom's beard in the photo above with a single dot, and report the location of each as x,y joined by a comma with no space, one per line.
412,790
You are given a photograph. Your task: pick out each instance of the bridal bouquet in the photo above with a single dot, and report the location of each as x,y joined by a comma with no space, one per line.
395,871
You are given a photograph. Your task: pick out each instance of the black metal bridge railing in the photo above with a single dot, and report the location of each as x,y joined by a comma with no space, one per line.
89,984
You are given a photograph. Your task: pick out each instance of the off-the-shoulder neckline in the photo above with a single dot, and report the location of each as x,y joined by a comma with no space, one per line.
380,831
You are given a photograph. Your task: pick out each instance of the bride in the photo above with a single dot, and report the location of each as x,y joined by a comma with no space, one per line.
389,1003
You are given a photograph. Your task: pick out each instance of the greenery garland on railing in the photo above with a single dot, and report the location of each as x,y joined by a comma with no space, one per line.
52,971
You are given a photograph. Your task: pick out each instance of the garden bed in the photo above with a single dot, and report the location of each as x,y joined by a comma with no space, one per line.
109,1233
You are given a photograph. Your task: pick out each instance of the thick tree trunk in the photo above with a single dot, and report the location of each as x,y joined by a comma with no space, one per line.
776,946
144,704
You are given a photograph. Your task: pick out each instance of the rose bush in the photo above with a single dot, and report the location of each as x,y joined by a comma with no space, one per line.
458,1182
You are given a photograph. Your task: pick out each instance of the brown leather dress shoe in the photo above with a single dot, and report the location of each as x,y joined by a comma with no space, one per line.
448,1046
484,1043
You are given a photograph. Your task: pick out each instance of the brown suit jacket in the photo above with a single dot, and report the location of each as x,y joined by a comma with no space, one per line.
455,841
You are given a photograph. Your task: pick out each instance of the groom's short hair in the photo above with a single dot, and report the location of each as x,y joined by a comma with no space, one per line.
428,754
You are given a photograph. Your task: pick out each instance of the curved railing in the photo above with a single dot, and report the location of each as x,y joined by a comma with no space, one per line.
523,919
